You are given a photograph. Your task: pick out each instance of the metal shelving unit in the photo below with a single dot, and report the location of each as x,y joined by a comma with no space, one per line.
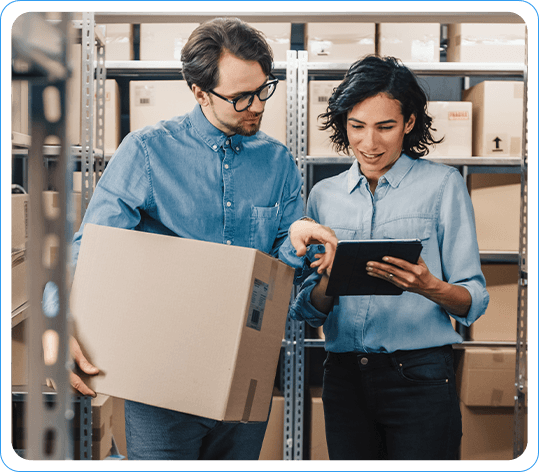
297,70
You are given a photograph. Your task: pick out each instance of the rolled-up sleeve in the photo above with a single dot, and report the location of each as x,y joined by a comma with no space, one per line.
302,308
461,263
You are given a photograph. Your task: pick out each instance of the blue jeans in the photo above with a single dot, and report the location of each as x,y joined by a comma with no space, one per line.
154,433
399,406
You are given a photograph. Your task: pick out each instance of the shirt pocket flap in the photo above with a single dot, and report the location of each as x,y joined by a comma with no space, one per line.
408,227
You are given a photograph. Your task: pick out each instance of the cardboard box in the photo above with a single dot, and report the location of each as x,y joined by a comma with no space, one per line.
118,425
19,220
228,305
19,355
153,100
497,118
277,36
496,202
318,142
410,42
274,118
272,447
453,122
164,41
480,42
486,386
339,42
19,290
119,42
499,323
318,447
19,107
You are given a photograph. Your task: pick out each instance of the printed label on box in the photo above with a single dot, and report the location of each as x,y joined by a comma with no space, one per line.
458,115
144,95
257,305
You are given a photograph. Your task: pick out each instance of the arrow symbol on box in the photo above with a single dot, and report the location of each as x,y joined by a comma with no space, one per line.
497,141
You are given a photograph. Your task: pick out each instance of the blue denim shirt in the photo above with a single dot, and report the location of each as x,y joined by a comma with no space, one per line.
416,198
184,177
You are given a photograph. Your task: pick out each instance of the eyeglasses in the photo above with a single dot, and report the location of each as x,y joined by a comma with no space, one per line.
245,100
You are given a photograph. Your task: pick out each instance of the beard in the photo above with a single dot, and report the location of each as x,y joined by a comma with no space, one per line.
247,125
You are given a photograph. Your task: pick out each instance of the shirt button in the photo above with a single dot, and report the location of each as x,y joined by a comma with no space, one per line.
229,242
237,148
228,204
226,166
228,142
364,360
214,146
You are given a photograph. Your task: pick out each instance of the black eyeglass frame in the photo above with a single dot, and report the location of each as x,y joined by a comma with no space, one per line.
273,81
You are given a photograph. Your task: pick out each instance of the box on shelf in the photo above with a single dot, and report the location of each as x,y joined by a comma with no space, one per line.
19,268
272,447
496,202
497,108
278,37
339,42
499,323
229,303
19,355
410,42
119,42
452,122
318,445
164,41
274,118
486,386
153,100
319,143
481,42
19,220
19,106
112,108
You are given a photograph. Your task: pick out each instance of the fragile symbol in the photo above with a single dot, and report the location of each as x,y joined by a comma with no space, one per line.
497,141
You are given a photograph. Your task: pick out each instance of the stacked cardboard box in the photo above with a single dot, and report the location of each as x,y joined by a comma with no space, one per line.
452,122
410,42
339,42
479,42
19,236
497,110
119,42
278,37
272,447
486,385
164,41
318,445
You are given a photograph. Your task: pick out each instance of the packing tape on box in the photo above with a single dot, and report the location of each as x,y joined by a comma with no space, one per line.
272,279
249,401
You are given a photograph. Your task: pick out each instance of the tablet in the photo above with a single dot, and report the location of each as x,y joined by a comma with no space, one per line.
349,272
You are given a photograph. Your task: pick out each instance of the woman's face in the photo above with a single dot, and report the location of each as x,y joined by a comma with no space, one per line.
376,131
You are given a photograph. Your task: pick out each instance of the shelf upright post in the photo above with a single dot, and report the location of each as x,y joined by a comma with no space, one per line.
521,376
288,362
101,76
87,109
48,423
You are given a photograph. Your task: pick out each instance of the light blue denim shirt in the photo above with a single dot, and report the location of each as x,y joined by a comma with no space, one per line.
184,177
416,198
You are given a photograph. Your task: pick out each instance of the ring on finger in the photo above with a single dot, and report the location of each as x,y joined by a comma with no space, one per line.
390,276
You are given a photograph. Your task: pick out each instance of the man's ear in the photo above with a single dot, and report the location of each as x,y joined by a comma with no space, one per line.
201,96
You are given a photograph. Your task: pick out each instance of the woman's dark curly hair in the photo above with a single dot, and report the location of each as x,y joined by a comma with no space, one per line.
367,78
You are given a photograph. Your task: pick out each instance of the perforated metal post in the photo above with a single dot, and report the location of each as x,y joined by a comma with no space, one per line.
521,376
48,423
101,76
87,109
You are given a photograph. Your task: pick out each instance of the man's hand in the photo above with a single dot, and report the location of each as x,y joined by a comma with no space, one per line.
84,365
306,232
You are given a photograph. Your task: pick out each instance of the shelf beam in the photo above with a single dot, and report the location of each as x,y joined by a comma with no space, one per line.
311,17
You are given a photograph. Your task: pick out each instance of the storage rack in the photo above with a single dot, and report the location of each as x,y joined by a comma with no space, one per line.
297,69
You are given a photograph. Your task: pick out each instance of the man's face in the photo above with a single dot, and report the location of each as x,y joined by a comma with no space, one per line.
236,76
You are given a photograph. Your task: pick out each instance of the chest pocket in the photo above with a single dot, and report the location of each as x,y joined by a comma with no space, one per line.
264,227
407,227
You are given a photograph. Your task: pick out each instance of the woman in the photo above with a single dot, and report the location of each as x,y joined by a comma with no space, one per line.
389,385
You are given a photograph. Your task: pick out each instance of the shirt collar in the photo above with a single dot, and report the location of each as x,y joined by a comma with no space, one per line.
393,176
212,136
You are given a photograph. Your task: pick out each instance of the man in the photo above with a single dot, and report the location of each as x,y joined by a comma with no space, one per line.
209,175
